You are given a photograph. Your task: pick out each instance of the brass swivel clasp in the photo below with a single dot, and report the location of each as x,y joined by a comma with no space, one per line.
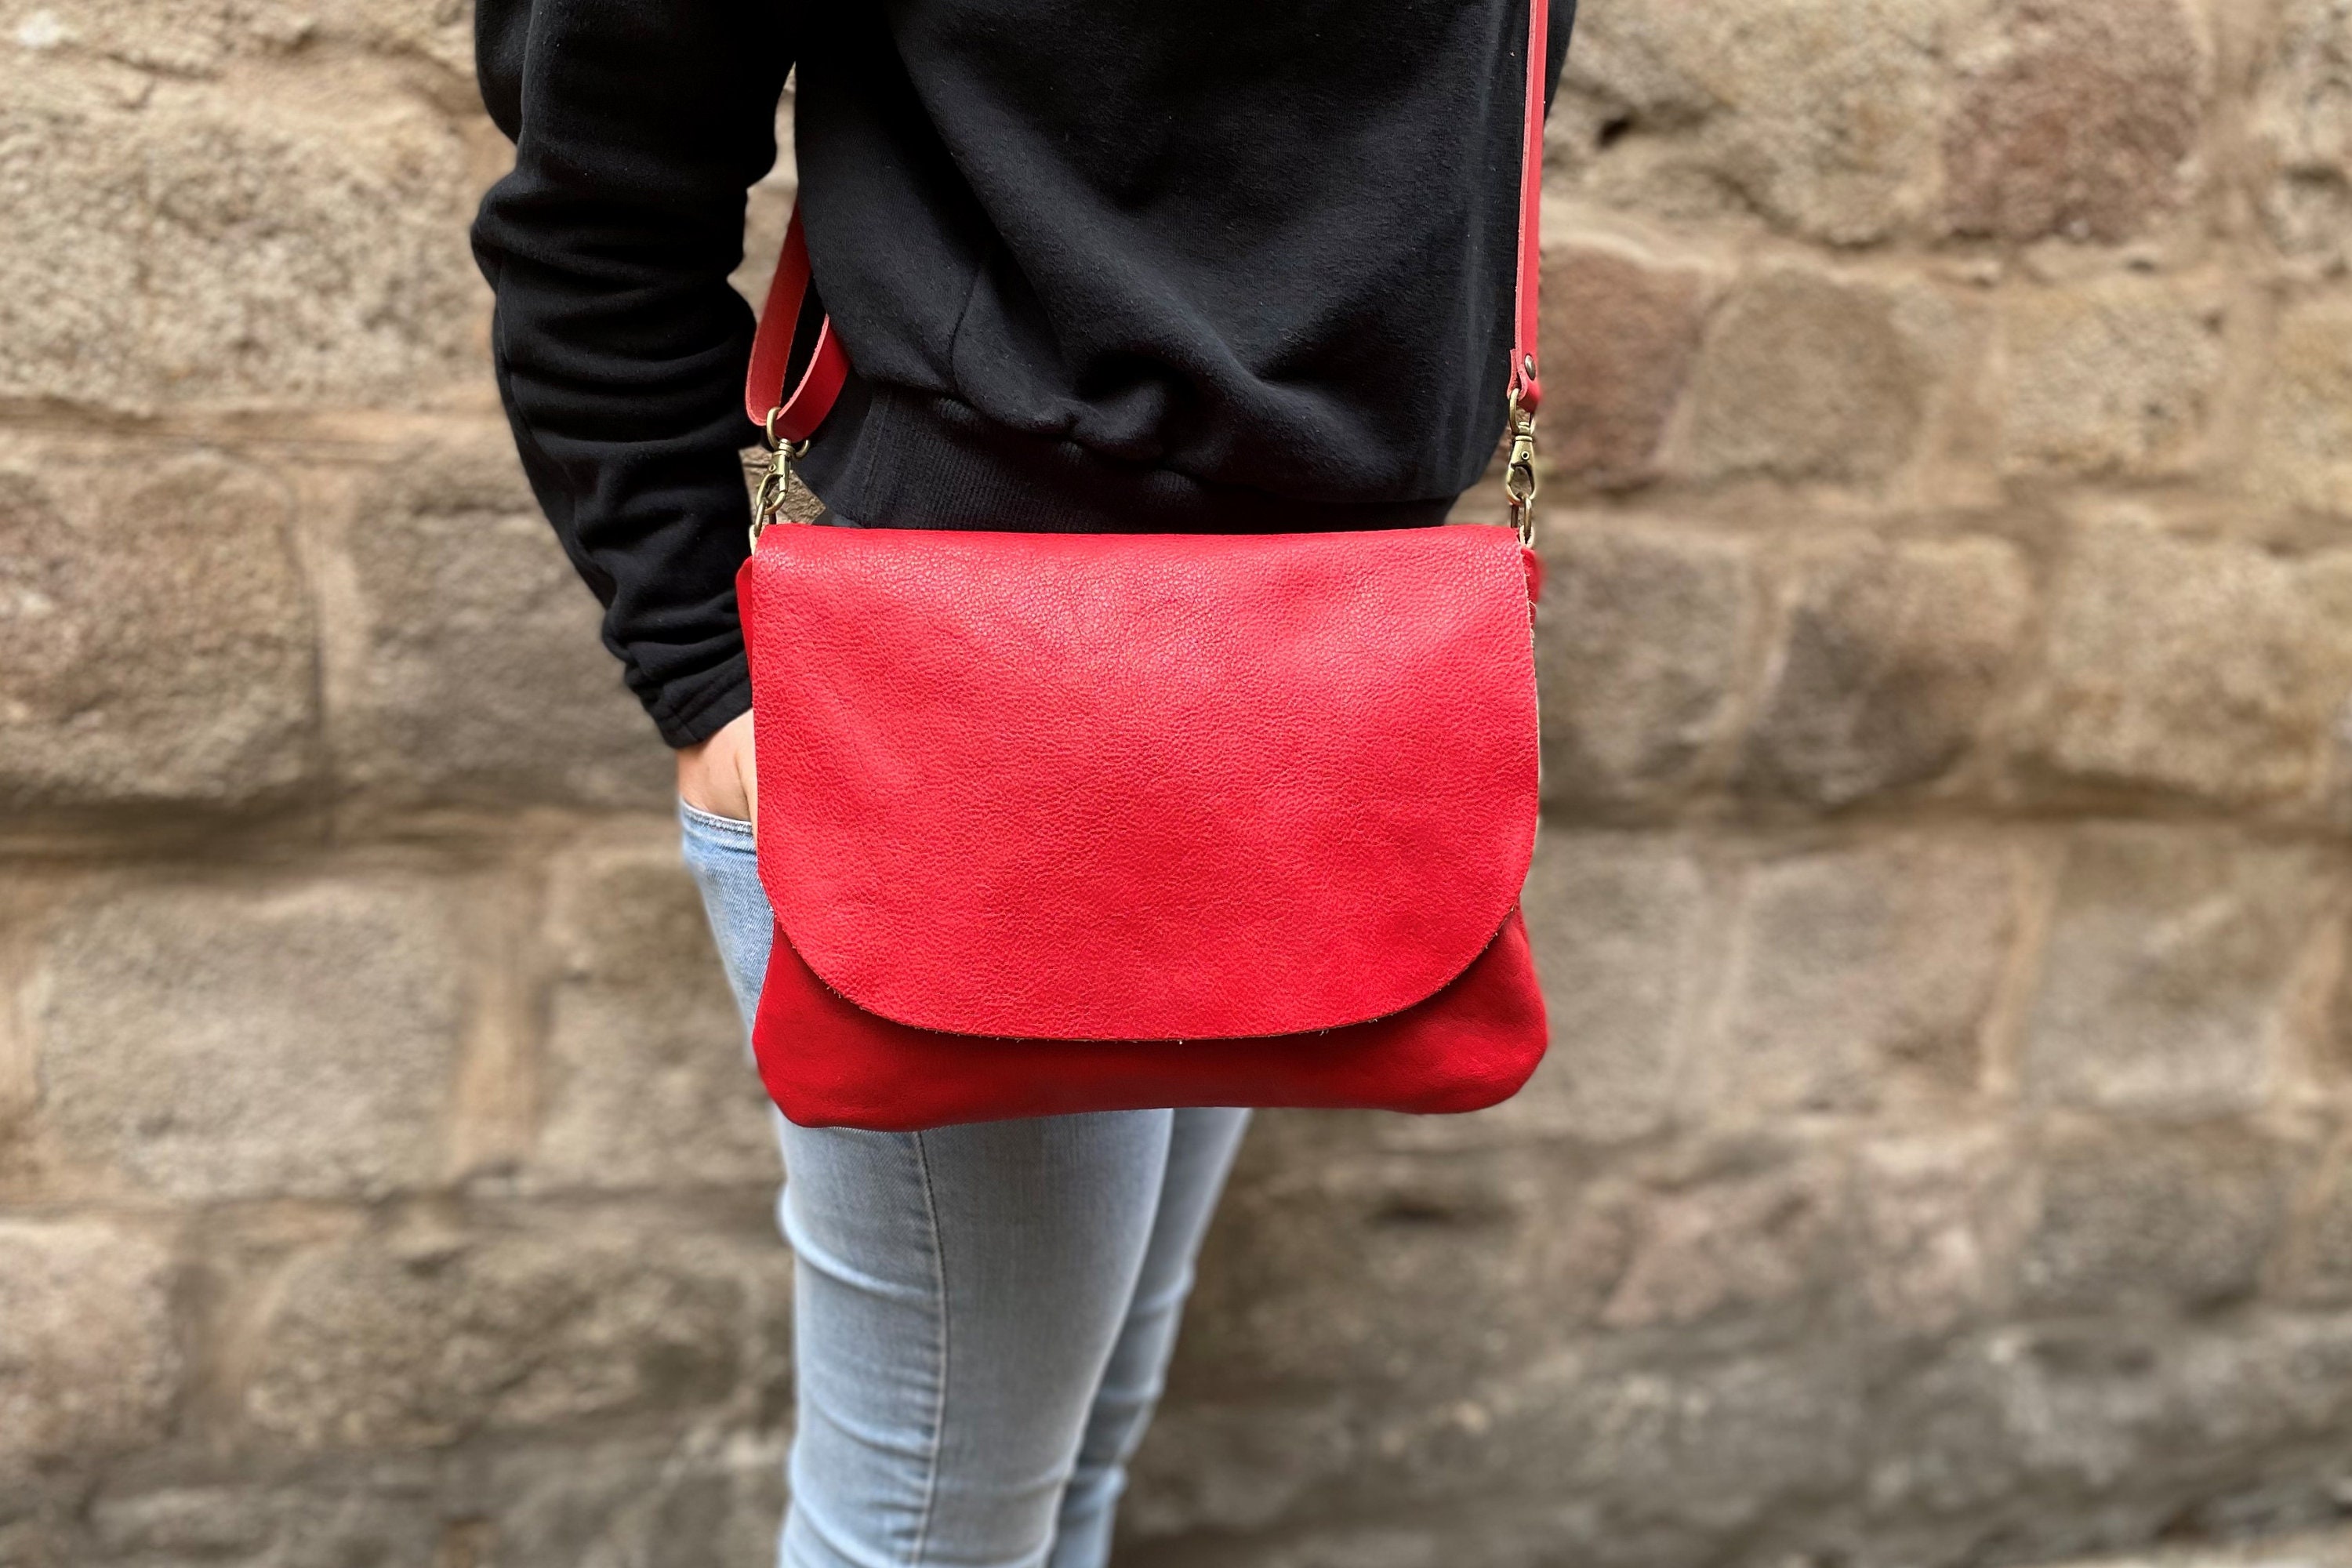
776,481
1519,472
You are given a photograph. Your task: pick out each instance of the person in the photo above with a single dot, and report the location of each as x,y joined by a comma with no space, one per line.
1111,265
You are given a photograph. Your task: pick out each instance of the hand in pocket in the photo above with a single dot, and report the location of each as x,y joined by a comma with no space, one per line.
721,775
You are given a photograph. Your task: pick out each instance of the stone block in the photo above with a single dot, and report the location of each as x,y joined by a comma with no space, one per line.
1856,977
2176,1219
1804,375
1747,1243
1236,1472
189,38
2212,669
1491,1535
1396,1273
1708,1448
1639,645
2324,1264
388,1515
2028,1431
1619,334
2113,377
298,1041
1894,652
1616,924
1939,1218
1819,116
2167,972
89,1363
1623,1461
156,638
646,1080
2303,451
2302,123
316,239
413,1339
716,1502
473,671
712,1500
2075,119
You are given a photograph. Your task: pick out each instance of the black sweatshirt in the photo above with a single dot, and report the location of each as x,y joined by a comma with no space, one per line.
1228,266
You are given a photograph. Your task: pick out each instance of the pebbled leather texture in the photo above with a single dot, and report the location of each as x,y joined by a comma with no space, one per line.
1119,787
827,1063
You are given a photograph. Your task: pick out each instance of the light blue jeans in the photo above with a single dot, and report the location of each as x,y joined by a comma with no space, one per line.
982,1315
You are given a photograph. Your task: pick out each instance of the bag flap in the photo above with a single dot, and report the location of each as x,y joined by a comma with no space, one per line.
1120,786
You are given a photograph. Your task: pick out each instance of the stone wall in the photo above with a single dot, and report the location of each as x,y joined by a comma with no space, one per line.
1947,1154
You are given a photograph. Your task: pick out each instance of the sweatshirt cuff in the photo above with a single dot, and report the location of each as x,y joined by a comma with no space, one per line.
690,712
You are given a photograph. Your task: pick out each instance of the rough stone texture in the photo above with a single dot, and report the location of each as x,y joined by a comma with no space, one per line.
155,633
2304,452
1939,1219
2209,667
192,39
478,676
387,1519
1619,335
299,1040
1342,1305
1750,1242
89,1361
414,1340
315,236
2165,978
1858,976
1819,115
2114,377
1893,656
2074,118
2323,1270
1805,376
1941,1159
1640,645
647,1082
677,1505
2304,116
1615,925
2124,1422
2189,1221
661,1502
2320,1548
1681,1462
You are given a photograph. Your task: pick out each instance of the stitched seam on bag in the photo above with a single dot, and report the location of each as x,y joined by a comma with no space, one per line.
940,1404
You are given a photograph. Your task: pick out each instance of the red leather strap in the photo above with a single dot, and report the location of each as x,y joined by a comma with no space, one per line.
1527,387
793,417
796,417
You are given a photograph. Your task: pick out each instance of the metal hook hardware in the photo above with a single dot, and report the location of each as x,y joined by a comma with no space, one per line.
1519,481
775,483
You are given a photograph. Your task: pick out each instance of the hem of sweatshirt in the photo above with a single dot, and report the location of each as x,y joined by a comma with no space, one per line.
912,460
691,716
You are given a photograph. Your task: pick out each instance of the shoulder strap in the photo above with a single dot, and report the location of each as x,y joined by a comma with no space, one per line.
1527,387
793,416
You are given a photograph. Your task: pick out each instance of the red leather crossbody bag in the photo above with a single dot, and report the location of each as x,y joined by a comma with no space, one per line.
1057,823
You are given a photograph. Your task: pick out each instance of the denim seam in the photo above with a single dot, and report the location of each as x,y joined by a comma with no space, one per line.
939,1403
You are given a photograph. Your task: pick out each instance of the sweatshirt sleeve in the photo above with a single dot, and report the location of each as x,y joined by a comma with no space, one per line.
620,347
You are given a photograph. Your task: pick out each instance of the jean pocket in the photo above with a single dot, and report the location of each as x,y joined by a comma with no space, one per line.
731,831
